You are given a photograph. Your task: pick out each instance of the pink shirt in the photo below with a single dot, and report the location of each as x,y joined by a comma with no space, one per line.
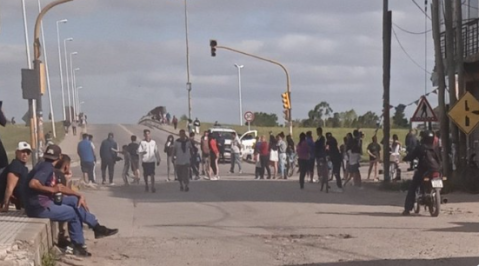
303,150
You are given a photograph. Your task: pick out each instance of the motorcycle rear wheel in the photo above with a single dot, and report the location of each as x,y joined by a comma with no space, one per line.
417,202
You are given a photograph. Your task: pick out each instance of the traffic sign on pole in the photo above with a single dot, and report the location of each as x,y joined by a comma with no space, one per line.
424,112
249,116
465,113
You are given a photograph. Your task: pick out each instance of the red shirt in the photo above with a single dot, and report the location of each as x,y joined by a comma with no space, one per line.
264,148
214,146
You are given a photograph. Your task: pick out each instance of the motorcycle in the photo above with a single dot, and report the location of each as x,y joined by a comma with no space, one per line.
429,194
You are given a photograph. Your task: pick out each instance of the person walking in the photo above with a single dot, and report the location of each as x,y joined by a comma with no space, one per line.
135,158
354,157
303,152
87,159
273,154
205,155
310,141
374,151
291,153
334,155
168,149
235,153
320,156
395,156
90,138
282,156
125,174
74,127
175,122
148,151
182,151
108,158
214,155
196,125
189,125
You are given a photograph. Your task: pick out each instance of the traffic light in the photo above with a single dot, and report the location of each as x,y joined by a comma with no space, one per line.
286,114
286,102
213,44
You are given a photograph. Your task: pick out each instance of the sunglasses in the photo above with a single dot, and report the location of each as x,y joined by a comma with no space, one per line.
26,151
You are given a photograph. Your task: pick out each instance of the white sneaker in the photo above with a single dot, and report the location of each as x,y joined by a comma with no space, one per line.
217,177
214,178
206,177
112,184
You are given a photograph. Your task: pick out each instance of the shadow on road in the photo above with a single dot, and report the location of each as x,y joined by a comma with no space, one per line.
374,214
256,191
461,228
402,262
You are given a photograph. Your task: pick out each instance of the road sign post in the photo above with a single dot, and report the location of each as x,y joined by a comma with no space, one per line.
424,112
249,117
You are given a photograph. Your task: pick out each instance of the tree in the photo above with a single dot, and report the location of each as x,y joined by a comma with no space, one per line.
335,121
368,120
318,115
265,120
399,118
348,118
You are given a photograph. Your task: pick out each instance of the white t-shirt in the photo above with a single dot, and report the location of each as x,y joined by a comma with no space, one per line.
354,158
150,149
234,145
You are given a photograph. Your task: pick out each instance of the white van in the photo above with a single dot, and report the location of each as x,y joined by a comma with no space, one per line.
247,139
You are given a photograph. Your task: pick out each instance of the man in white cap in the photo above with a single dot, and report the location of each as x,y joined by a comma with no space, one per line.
13,176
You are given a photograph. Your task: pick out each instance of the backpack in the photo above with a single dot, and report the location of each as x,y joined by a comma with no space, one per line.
431,159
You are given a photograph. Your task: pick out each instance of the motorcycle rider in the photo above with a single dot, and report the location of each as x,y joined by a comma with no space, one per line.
429,158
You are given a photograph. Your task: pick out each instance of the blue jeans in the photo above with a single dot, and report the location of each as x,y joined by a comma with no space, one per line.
69,212
282,164
235,159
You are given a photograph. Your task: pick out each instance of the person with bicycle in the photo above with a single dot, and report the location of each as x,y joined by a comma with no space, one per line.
430,159
320,156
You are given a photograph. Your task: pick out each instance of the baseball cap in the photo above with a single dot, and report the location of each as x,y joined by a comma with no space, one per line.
53,152
23,145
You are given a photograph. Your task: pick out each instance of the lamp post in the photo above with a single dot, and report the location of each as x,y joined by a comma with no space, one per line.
239,67
48,74
188,81
68,78
74,92
61,67
78,98
72,88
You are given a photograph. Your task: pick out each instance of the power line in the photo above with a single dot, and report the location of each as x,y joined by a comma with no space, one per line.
411,32
407,54
422,10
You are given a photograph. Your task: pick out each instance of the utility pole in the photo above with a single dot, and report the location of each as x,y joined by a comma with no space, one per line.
463,147
387,21
188,80
451,74
442,84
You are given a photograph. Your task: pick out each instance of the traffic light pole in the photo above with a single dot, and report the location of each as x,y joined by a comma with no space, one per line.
288,84
38,69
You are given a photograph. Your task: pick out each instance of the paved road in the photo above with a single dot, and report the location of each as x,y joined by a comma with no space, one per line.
240,221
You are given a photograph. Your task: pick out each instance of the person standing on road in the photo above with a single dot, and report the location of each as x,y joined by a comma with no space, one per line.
205,155
148,150
175,122
374,151
282,150
90,138
135,158
235,153
335,157
189,125
310,141
291,153
264,157
273,154
168,149
304,154
126,164
87,159
197,124
182,157
194,172
214,155
320,155
395,156
354,155
108,158
3,153
74,127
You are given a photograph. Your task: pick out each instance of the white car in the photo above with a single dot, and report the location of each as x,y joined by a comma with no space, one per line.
225,135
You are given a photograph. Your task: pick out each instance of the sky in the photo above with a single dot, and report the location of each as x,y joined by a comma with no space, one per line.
132,56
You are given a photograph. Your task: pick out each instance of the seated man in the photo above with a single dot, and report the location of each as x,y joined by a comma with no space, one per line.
43,199
13,176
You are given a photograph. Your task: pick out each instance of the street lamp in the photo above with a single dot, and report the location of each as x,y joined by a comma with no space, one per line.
188,81
61,67
72,88
239,67
68,78
74,92
78,98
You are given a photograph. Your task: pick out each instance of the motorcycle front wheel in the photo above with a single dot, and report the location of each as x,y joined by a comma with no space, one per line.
417,203
435,204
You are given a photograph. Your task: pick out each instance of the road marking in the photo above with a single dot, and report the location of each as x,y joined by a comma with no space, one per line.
126,129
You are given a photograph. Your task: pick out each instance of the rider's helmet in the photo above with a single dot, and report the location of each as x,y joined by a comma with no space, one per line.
428,137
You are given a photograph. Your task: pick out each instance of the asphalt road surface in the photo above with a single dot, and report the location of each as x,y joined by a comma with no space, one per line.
241,221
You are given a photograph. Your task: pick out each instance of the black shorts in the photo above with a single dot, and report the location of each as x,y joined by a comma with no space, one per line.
87,167
353,168
148,169
135,164
311,165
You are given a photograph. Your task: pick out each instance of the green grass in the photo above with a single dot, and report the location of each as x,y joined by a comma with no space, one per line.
12,134
49,259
